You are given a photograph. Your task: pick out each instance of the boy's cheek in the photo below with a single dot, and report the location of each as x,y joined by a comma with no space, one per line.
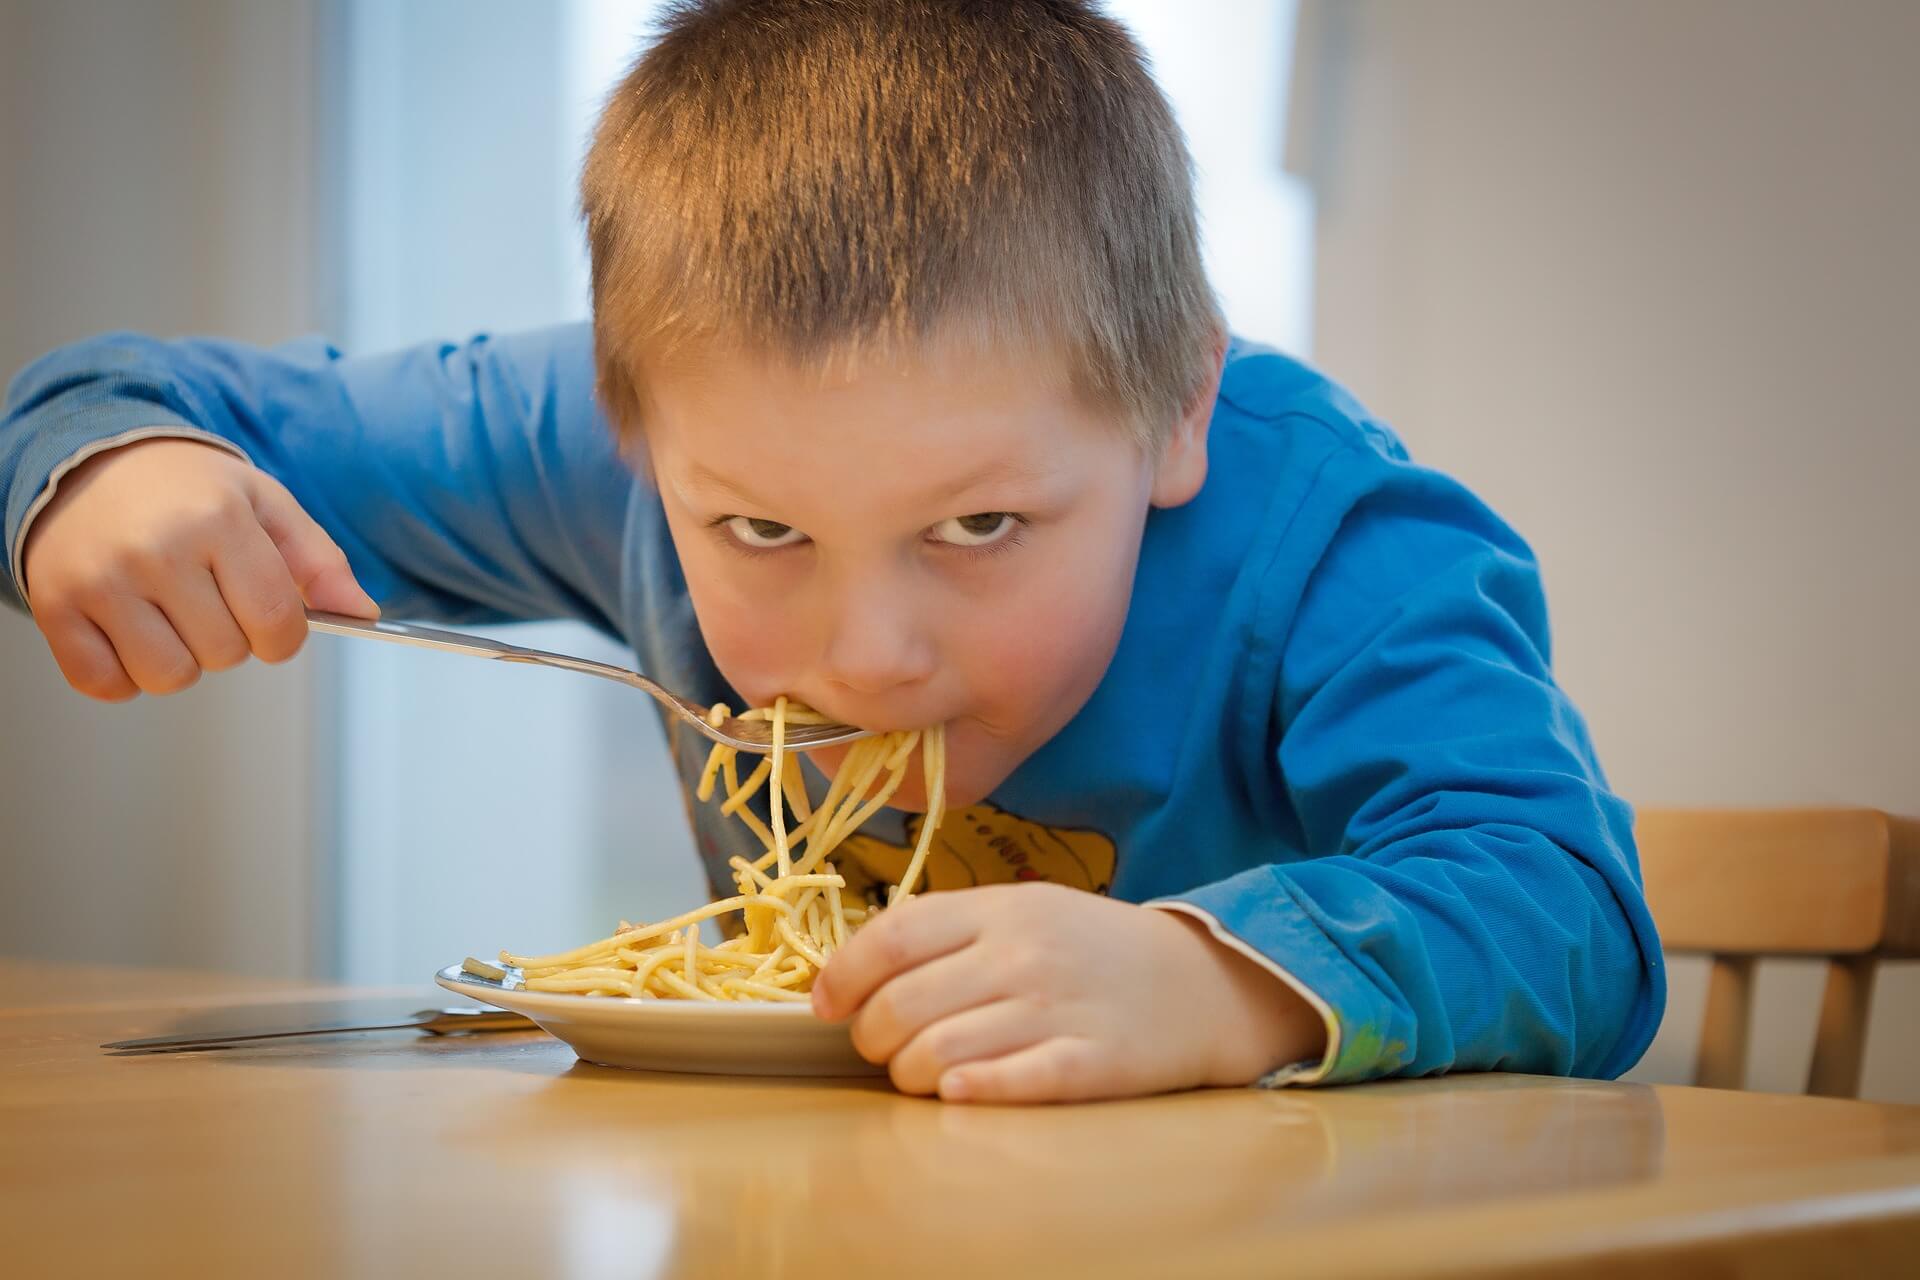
1054,648
757,650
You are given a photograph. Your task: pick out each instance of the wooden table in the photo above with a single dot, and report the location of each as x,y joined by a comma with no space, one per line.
398,1154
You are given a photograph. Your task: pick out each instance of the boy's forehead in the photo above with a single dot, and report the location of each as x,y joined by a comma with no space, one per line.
1002,411
955,355
766,435
751,479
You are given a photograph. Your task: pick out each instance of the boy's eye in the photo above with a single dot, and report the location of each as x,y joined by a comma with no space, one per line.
978,530
762,534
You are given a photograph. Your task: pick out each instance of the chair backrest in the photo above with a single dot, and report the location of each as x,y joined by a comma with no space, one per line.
1738,884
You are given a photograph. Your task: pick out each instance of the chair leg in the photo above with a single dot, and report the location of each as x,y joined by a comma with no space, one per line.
1840,1046
1722,1063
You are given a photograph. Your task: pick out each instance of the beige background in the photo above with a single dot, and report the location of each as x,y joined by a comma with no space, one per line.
158,171
1645,274
1641,271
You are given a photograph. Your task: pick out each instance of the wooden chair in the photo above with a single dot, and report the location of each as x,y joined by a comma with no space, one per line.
1737,884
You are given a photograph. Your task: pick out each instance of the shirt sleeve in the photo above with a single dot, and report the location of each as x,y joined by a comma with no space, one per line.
467,482
1471,896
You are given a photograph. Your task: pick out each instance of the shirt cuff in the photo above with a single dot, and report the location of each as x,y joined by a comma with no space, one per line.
1262,910
16,558
1306,1071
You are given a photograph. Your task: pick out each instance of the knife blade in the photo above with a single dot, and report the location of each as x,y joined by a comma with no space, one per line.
439,1022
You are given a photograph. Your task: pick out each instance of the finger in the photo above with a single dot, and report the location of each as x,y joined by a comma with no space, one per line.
318,566
201,618
908,1003
149,648
85,655
902,937
261,595
986,1032
1062,1069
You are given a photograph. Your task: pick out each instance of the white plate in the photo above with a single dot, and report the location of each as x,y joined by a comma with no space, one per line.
713,1038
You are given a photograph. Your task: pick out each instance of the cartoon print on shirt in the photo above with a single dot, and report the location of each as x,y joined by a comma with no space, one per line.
981,844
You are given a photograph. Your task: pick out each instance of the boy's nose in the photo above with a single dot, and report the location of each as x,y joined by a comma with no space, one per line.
877,650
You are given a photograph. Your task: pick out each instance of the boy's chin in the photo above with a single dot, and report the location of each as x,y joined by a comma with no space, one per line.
912,797
974,768
962,790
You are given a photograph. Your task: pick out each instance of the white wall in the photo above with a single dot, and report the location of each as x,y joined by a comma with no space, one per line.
1644,273
158,166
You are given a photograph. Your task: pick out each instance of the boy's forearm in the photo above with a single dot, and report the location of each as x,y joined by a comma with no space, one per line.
64,409
465,482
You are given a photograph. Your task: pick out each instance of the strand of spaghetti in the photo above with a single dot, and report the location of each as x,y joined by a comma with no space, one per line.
775,958
897,758
792,938
933,758
590,971
643,971
787,977
710,957
853,821
709,982
812,884
668,978
746,814
776,794
861,766
796,787
709,775
852,814
607,945
761,924
581,980
747,869
895,763
837,788
839,910
542,971
704,792
746,789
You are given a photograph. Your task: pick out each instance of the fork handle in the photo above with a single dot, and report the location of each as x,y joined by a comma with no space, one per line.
340,624
407,633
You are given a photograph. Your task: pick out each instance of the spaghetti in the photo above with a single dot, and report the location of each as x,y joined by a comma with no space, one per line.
793,914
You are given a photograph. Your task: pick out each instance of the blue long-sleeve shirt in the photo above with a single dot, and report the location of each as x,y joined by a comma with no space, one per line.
1363,775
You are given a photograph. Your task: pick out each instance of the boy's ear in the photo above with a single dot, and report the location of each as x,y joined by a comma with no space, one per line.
1182,468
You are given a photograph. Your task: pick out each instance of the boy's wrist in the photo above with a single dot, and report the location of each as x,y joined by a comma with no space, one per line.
1262,1022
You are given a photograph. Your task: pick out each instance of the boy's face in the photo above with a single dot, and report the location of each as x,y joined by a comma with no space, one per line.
946,539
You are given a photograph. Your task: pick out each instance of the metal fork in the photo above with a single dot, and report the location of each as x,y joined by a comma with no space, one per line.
745,735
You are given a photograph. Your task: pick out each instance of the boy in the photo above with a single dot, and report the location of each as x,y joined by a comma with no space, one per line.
917,407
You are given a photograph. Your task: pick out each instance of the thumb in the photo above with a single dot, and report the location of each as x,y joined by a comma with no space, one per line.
318,566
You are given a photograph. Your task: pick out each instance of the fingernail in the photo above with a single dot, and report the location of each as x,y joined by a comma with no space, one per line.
953,1087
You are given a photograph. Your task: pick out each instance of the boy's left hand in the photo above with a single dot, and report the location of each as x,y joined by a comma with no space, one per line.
1039,993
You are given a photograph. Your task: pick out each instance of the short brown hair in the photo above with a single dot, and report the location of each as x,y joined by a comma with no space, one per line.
818,177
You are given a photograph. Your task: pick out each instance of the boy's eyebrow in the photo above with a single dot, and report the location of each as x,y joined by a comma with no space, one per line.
699,475
994,471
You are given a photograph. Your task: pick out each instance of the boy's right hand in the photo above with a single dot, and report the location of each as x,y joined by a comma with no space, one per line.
165,558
